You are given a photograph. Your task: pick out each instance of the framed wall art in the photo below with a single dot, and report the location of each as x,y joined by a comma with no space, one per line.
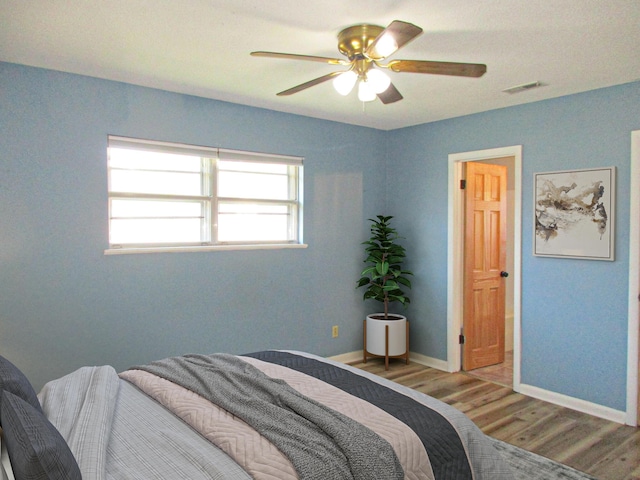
574,214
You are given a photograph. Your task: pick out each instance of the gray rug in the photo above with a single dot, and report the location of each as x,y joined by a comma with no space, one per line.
529,466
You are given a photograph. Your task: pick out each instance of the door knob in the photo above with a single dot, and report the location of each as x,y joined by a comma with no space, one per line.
504,274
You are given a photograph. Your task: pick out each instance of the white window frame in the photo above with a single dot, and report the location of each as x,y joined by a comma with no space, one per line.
210,157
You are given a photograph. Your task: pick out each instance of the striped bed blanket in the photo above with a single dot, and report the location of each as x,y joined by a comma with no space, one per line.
289,415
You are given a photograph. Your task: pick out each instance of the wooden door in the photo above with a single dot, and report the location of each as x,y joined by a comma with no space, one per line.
484,264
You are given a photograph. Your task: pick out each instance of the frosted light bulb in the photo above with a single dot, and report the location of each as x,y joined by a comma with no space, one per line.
379,80
365,92
345,82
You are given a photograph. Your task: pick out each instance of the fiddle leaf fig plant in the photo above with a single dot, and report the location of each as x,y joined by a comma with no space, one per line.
384,277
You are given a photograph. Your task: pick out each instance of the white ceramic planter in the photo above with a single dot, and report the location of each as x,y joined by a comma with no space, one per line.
376,335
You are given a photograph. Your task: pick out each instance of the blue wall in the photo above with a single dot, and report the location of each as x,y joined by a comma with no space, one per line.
574,312
64,304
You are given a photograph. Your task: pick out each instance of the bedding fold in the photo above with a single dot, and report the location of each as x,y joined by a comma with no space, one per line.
457,449
404,441
320,442
81,406
253,452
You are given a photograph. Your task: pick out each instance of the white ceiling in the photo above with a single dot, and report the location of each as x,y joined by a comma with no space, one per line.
201,47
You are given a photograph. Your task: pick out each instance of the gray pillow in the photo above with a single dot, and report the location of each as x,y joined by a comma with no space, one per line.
36,449
13,380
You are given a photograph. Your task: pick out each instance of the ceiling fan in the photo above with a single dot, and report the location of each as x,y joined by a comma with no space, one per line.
365,47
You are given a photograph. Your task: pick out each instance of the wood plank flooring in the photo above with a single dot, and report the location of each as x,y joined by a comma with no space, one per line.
501,373
606,450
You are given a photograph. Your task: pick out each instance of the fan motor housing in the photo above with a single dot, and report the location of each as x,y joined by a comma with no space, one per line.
353,41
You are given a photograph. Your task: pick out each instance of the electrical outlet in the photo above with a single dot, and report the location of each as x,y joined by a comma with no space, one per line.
334,331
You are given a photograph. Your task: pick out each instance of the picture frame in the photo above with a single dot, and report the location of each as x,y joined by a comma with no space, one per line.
574,214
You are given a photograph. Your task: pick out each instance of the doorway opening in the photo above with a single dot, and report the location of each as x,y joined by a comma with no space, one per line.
512,158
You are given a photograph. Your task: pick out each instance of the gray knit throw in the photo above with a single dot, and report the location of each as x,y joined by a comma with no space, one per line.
321,443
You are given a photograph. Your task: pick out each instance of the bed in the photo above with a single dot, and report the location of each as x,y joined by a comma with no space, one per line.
269,415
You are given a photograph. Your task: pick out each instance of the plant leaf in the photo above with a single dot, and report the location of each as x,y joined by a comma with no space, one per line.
382,268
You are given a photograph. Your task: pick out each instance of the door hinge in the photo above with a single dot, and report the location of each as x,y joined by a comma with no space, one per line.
461,339
463,184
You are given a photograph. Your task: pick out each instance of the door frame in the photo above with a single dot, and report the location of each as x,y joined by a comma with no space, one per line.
455,263
633,355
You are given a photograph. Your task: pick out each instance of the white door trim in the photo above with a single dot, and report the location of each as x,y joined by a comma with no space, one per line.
634,284
455,264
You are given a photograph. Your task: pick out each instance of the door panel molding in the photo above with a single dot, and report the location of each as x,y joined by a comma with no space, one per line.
455,263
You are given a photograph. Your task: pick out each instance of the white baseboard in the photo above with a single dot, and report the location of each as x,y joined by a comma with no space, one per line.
429,361
583,406
356,356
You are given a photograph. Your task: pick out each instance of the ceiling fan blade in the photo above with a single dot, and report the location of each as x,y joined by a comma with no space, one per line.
310,83
390,95
293,56
438,68
401,32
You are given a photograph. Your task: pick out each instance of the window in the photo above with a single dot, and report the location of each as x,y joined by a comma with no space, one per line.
167,196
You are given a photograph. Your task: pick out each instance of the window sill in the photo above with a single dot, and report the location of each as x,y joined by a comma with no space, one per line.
202,248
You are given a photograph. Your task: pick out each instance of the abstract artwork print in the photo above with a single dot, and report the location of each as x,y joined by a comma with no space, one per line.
574,214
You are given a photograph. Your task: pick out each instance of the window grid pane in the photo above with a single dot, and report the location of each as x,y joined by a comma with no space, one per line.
138,208
231,166
253,185
152,160
159,231
253,228
168,183
251,222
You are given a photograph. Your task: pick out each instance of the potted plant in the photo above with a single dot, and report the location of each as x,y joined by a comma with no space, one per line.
385,334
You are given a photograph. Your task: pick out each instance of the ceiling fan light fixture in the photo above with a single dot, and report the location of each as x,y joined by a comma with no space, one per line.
345,82
365,46
365,91
379,80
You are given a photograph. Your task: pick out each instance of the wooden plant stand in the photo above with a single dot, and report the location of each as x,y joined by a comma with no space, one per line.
386,356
